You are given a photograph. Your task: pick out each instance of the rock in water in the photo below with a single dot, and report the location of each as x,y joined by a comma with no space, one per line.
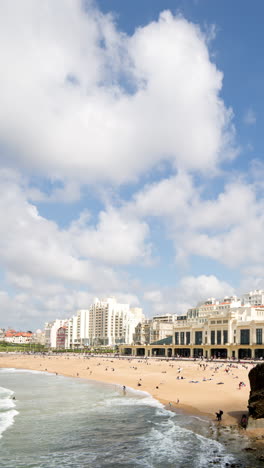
256,396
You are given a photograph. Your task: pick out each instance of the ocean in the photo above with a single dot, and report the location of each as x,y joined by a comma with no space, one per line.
61,422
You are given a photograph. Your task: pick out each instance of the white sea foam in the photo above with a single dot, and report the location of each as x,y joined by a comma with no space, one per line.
5,392
7,413
118,401
6,420
10,370
146,398
169,441
6,404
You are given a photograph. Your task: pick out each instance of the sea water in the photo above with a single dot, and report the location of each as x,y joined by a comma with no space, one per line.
62,422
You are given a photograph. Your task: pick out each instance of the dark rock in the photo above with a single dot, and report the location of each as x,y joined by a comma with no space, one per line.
256,396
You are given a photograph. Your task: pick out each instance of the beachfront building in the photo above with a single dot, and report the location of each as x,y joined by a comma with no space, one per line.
231,328
51,329
155,329
61,336
12,336
38,337
112,323
77,333
105,323
253,298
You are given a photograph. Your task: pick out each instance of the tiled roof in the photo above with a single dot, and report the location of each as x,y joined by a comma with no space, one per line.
12,333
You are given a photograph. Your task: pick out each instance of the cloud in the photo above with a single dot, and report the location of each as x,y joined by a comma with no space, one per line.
154,296
227,228
250,117
32,246
165,198
30,310
203,286
82,100
116,239
187,293
68,192
86,106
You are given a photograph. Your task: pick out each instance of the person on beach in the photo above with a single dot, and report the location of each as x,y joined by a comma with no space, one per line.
219,415
244,421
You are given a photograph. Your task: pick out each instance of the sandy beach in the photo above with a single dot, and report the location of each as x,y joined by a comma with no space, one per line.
195,387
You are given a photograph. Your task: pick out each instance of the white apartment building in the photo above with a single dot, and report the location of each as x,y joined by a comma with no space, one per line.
51,329
254,298
105,323
77,334
112,323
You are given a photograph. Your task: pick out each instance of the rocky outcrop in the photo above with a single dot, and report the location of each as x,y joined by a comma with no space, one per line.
256,396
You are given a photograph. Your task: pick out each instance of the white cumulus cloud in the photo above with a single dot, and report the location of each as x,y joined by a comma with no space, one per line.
80,99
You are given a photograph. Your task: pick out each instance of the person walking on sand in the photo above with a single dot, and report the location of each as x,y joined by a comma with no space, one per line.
219,415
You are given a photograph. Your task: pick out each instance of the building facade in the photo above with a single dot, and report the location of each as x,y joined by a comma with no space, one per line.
38,337
112,323
155,329
51,329
61,337
230,328
12,336
77,333
105,323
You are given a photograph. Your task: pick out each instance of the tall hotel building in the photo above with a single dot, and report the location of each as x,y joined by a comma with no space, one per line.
112,323
105,323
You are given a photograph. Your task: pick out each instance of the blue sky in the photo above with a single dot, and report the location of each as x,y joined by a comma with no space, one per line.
131,154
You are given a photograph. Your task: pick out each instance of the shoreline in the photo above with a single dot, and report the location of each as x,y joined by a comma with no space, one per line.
194,388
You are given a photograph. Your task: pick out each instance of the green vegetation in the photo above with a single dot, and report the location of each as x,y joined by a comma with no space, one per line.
87,350
38,348
23,348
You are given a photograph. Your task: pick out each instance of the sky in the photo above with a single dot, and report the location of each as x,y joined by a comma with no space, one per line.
131,154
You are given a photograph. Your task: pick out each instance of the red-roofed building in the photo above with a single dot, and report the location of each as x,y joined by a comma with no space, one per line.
12,336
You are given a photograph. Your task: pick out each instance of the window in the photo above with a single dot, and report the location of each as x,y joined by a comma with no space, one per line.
259,336
225,332
212,337
177,338
182,338
218,336
188,338
198,337
244,337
